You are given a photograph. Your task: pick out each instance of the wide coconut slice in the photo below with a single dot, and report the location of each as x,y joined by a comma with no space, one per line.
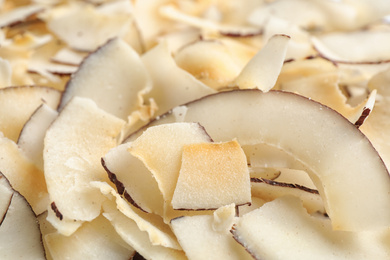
96,239
119,77
212,175
23,174
19,14
133,180
208,236
334,150
17,104
284,223
31,137
20,237
73,146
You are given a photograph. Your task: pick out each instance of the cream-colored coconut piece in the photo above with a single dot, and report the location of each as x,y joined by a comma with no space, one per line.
23,174
31,137
285,222
208,236
5,73
130,232
84,28
17,104
159,232
133,180
160,149
20,237
19,14
263,69
172,91
83,244
73,146
119,78
332,148
212,175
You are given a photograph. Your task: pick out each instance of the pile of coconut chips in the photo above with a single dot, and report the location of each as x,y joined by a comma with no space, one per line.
185,129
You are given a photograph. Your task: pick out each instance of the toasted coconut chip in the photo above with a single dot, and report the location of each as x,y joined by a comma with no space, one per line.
121,79
342,47
132,234
324,88
46,228
83,244
299,45
212,62
269,190
31,137
318,142
172,91
133,180
85,29
377,125
302,235
69,56
212,175
160,149
201,240
159,233
20,236
19,14
171,12
5,73
61,224
17,104
74,144
263,70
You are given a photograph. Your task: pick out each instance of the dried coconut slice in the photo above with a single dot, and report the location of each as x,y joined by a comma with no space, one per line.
69,56
17,104
269,190
5,73
119,81
30,140
85,29
159,233
160,149
211,61
171,91
212,175
20,237
173,13
341,47
263,70
136,238
302,235
331,148
23,174
73,146
96,239
133,180
19,14
377,124
324,88
200,238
